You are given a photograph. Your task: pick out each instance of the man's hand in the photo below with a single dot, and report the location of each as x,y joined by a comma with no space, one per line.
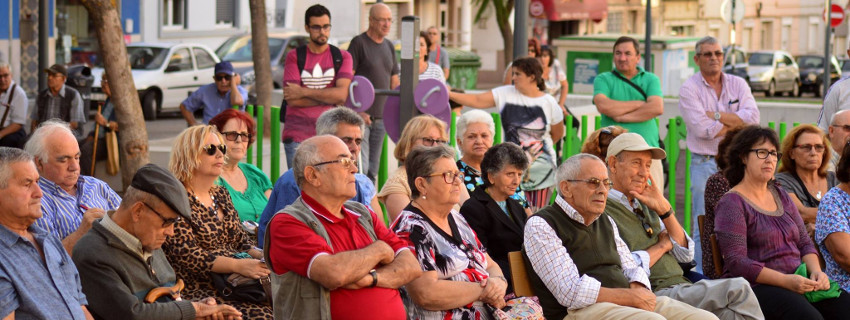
293,92
664,241
366,118
386,251
235,81
652,198
90,216
364,282
209,309
642,298
494,292
253,268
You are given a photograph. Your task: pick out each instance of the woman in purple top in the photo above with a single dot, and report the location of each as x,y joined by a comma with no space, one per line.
762,237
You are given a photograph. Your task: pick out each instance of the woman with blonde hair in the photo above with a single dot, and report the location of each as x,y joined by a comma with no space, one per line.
212,241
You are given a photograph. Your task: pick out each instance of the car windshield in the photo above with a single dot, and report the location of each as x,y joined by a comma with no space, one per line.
143,58
810,62
761,59
239,49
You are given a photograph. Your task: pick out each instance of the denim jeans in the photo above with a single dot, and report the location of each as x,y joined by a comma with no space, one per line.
702,167
289,150
370,150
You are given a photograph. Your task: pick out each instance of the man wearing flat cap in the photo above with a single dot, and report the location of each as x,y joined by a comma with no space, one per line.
216,97
59,101
648,225
120,259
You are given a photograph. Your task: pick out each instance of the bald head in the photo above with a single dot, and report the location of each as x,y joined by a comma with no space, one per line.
838,133
380,20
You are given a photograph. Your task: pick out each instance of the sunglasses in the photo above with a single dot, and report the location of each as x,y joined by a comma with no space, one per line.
346,162
708,54
220,77
594,183
646,226
449,177
165,222
210,149
233,136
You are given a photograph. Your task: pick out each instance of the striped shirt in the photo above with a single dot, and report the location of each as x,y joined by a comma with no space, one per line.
696,97
556,268
433,72
681,254
62,213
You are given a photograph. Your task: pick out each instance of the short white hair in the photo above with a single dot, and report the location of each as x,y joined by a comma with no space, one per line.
37,144
571,168
475,116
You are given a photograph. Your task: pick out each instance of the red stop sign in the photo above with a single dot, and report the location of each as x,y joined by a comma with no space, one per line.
836,15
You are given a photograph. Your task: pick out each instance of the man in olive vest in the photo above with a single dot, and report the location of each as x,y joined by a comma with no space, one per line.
59,101
333,258
578,265
648,225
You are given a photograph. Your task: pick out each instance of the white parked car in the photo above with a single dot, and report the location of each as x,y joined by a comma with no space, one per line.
165,74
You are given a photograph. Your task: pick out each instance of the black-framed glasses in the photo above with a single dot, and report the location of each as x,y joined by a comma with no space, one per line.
349,140
345,162
708,54
431,142
220,77
165,222
845,127
232,135
317,28
764,153
646,227
811,147
594,183
448,176
210,149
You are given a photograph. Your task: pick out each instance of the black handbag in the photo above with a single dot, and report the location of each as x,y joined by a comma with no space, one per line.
236,287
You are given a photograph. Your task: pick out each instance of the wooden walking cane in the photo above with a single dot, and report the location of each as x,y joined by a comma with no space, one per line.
94,150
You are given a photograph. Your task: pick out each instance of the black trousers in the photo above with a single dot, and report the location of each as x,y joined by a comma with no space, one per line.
780,303
15,139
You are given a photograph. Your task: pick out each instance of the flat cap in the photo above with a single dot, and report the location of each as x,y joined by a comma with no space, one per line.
57,68
159,182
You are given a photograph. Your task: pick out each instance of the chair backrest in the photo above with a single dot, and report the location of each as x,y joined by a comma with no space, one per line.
715,251
522,287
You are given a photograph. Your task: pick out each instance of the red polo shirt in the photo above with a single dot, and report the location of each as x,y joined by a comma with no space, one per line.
294,246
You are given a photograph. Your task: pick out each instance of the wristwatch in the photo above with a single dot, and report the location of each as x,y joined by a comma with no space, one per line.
717,116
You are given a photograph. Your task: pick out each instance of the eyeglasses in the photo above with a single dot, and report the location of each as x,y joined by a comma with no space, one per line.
811,147
345,162
708,54
5,75
646,226
845,127
210,149
317,28
233,135
431,142
349,140
165,222
448,176
594,183
385,20
764,153
223,77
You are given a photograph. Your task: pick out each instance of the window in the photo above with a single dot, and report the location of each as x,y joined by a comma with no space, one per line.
204,59
682,30
173,12
224,12
615,22
181,60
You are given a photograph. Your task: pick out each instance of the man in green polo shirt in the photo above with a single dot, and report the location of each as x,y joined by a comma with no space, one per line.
630,97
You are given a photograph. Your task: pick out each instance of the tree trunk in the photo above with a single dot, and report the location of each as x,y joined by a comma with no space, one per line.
262,65
133,140
507,40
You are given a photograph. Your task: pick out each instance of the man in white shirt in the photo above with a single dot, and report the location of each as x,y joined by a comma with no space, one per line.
13,110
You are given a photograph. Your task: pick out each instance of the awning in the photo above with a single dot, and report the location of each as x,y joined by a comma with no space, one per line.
559,10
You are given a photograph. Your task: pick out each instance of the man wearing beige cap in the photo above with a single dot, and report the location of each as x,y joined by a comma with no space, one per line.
648,225
59,101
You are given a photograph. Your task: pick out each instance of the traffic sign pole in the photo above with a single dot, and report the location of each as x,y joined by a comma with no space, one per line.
826,51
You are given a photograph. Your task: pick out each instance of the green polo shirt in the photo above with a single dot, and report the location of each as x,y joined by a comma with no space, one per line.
616,89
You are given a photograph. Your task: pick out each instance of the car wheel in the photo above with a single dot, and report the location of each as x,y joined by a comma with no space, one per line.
771,89
150,106
819,91
796,91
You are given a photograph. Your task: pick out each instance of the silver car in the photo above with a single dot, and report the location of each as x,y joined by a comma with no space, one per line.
774,72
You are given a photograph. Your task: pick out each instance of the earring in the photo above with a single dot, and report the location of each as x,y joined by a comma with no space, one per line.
424,197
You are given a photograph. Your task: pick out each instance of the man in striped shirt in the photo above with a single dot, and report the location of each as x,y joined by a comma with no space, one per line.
711,102
71,201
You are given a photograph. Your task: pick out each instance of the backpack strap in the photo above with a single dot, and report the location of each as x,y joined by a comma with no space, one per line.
8,105
337,57
301,53
639,89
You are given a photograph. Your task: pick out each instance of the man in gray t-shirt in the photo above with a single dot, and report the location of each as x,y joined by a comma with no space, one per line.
373,57
436,53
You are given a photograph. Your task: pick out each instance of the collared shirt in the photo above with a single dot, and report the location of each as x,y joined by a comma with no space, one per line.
641,256
556,268
208,98
696,97
54,110
125,237
62,212
614,88
19,105
836,99
36,288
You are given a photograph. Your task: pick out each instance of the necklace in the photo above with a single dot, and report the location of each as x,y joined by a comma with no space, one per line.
818,195
212,209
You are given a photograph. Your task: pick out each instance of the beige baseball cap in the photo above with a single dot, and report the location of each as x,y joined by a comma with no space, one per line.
631,141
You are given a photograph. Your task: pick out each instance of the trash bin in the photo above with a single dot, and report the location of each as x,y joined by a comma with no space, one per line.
463,70
81,79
